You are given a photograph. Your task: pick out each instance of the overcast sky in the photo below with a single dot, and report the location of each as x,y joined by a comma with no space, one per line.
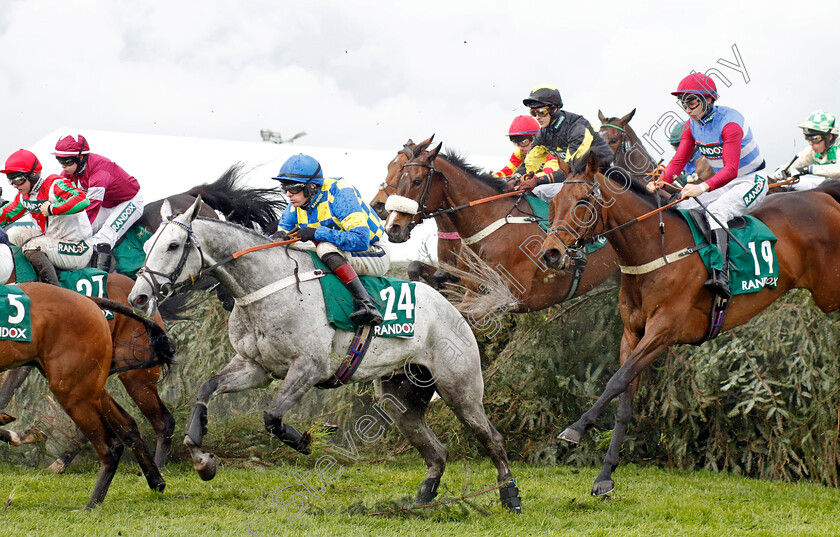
370,74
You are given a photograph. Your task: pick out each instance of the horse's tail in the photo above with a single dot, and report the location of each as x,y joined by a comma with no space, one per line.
163,348
245,206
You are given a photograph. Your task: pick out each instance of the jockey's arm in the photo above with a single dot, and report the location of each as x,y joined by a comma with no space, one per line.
71,199
288,220
354,233
731,134
680,158
510,168
12,211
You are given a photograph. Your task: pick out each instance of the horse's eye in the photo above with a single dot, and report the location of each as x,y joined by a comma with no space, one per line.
416,182
172,246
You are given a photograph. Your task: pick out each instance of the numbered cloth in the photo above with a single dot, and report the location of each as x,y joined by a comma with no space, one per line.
751,270
86,281
394,298
15,322
540,210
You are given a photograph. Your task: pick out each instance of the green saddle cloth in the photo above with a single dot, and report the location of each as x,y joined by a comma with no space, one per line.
394,298
749,271
129,252
540,209
87,281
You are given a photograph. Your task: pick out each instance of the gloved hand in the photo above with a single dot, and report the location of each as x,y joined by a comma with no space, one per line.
305,233
780,174
804,170
510,186
42,208
526,182
279,235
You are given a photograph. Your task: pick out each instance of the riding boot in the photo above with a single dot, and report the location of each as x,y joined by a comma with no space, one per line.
103,257
366,312
42,265
719,280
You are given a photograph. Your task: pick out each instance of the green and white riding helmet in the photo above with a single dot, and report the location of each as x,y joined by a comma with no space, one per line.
820,121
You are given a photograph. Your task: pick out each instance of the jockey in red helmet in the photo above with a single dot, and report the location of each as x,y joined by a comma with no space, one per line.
521,133
115,198
62,238
723,137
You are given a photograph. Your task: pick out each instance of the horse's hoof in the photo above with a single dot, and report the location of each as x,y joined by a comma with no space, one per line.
158,485
57,467
427,492
205,466
6,418
35,436
570,435
600,488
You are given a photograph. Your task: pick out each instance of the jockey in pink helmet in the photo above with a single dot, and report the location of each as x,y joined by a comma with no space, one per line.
724,138
115,198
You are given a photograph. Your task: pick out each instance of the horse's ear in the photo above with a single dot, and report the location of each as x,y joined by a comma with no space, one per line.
434,152
165,210
601,116
592,164
195,208
626,119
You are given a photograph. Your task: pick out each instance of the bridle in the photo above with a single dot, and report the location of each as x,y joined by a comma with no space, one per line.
625,145
162,291
575,251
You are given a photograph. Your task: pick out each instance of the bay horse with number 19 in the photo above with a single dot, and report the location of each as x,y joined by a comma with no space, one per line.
440,183
670,305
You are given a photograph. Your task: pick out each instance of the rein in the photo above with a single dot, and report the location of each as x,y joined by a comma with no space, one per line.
162,291
422,201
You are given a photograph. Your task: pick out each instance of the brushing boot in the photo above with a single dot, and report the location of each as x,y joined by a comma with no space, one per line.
103,257
366,313
719,279
43,267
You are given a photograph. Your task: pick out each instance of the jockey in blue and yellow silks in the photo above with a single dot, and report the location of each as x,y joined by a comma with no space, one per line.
349,235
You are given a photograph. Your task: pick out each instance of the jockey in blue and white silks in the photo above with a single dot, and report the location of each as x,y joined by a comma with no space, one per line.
349,235
723,137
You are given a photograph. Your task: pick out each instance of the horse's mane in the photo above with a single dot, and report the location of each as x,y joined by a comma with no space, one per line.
459,161
637,187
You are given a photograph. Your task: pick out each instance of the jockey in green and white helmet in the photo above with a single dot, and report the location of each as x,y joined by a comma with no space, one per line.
819,159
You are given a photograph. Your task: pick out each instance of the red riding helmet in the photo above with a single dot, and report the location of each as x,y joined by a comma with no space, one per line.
697,84
523,126
71,146
22,161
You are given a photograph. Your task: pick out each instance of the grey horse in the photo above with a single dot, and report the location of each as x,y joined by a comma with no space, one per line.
279,330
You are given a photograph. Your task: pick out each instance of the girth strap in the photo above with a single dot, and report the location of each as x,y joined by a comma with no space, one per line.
271,288
660,262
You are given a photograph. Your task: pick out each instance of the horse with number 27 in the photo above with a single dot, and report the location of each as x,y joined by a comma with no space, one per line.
670,305
279,329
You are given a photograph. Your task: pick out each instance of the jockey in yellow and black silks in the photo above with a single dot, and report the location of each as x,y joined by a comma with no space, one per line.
350,237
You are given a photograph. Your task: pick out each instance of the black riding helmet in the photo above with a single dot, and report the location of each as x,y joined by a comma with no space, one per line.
543,96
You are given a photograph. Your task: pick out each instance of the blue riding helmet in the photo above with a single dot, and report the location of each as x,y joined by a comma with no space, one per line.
301,168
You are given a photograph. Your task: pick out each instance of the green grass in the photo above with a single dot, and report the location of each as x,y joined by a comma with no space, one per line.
243,499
